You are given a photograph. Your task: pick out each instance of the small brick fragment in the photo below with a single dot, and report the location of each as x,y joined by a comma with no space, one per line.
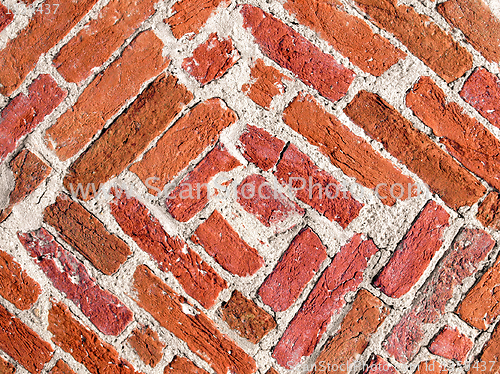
198,279
451,343
6,17
260,148
431,367
24,113
211,59
83,344
69,276
316,188
445,177
294,270
489,211
266,83
147,344
272,371
129,135
23,344
422,37
140,61
351,153
377,365
482,90
490,356
86,234
326,300
61,368
191,195
364,318
227,248
414,253
183,365
183,142
292,51
244,316
189,324
470,247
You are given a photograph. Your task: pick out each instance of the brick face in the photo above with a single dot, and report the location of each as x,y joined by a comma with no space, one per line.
489,211
183,365
147,345
451,343
6,17
260,148
61,368
6,367
489,356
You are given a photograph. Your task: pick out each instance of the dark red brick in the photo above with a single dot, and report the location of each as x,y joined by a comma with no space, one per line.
6,17
489,359
61,368
377,365
183,365
451,343
489,211
260,148
147,344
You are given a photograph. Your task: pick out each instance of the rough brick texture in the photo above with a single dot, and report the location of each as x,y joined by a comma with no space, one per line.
260,148
490,356
147,344
183,365
489,211
6,17
6,367
451,343
61,368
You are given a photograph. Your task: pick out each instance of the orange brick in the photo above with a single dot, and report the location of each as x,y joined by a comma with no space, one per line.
489,211
61,368
147,344
183,365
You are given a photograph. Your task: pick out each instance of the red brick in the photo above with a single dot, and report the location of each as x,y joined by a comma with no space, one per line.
345,347
139,62
470,247
414,253
226,247
451,343
348,34
489,211
421,36
69,276
377,365
211,59
477,22
86,234
29,172
351,153
464,137
490,356
325,301
83,344
172,254
244,316
183,142
183,365
100,37
23,344
15,284
273,209
292,51
431,367
129,135
147,344
191,195
313,185
481,90
445,177
194,327
6,17
61,368
260,148
191,15
266,83
24,113
6,367
43,32
294,270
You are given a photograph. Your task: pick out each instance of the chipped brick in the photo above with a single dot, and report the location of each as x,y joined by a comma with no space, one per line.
260,148
489,211
61,368
147,345
451,343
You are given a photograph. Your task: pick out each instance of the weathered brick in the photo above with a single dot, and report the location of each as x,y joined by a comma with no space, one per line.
211,59
326,300
445,177
43,32
377,365
489,359
129,135
266,83
183,365
191,15
61,368
421,36
189,324
469,248
147,344
260,148
364,318
477,22
244,316
6,17
489,211
69,276
6,367
83,344
351,153
139,62
414,253
24,113
292,51
191,195
23,344
451,343
464,137
226,247
348,34
29,172
294,270
431,367
482,90
86,234
316,188
172,254
183,142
